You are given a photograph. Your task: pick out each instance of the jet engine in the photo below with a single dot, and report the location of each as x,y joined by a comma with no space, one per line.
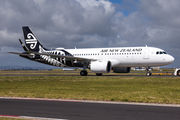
121,69
100,66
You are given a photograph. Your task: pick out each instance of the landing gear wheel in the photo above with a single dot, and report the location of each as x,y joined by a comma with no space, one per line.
148,74
178,72
99,74
83,73
148,71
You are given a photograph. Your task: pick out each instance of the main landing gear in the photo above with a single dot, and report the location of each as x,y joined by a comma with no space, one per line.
148,71
83,73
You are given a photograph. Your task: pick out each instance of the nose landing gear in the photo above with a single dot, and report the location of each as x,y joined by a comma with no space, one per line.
148,71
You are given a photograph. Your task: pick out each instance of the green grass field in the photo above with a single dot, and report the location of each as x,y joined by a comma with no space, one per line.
11,119
109,88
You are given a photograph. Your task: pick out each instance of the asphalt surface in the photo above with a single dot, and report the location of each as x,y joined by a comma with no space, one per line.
79,110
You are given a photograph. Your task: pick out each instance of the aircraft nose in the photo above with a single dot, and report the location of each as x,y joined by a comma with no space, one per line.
170,59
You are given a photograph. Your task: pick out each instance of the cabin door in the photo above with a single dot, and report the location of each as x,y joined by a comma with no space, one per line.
146,53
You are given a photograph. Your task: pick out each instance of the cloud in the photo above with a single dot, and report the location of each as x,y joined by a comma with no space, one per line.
92,23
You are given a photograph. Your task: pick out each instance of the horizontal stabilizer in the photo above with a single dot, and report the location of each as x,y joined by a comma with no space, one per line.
23,54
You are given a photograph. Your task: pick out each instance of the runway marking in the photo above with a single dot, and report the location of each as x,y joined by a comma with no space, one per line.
90,101
29,117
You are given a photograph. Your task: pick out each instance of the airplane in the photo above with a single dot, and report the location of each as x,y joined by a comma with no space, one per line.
98,60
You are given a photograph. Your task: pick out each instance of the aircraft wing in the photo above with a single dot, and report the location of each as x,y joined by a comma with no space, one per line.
53,56
65,56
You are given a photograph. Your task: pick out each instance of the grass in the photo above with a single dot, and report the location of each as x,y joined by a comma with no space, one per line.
109,88
11,119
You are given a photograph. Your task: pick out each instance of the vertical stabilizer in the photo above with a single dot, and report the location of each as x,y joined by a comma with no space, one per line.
31,40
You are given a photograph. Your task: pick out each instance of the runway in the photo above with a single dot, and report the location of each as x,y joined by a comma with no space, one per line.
80,110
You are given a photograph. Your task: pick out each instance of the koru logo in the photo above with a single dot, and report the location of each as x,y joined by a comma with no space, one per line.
32,41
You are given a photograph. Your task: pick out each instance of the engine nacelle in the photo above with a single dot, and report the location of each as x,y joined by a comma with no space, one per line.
100,66
121,69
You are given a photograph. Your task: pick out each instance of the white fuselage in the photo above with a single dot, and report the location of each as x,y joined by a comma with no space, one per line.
126,56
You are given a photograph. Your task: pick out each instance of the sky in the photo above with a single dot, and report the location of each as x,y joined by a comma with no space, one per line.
89,24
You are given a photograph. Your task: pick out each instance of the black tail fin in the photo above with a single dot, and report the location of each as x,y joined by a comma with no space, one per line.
31,40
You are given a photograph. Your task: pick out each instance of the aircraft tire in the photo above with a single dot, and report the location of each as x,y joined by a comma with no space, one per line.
178,72
99,74
148,74
83,73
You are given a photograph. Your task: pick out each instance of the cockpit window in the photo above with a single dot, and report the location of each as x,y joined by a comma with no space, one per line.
161,52
164,53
